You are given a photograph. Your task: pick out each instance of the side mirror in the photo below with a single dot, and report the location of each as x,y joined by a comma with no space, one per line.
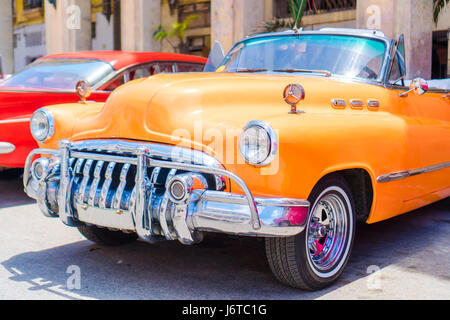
418,85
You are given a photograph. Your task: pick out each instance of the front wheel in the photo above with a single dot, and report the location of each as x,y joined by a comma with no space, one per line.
316,257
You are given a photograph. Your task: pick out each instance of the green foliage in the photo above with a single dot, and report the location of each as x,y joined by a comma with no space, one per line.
297,9
277,24
178,30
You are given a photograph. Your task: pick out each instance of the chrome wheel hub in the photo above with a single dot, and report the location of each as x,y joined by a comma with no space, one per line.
327,233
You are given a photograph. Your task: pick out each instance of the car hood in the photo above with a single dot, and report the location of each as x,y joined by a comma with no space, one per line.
164,107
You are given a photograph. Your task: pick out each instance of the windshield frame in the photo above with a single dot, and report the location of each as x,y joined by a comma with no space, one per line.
94,86
385,64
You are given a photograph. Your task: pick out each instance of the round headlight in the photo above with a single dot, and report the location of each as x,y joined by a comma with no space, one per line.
258,143
42,125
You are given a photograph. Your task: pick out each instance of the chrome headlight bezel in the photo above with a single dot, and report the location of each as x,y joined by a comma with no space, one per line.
48,121
272,143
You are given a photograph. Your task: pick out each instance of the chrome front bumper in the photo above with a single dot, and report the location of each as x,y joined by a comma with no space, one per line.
89,182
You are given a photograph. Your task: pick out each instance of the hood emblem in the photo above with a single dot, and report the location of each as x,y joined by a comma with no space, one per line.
83,90
292,95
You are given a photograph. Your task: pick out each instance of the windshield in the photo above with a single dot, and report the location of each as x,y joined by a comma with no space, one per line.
59,74
342,55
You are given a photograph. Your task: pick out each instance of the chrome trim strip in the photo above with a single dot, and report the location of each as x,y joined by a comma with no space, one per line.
373,103
7,148
15,120
65,209
78,165
121,187
217,196
85,180
95,182
106,185
162,217
356,104
103,157
161,151
143,222
408,173
338,103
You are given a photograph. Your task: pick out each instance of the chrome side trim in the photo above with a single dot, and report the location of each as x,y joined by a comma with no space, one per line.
356,104
338,103
6,148
15,120
408,173
373,104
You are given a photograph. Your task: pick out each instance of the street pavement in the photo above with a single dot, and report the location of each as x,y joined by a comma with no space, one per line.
407,257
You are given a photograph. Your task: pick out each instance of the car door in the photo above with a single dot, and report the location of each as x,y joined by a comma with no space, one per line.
427,136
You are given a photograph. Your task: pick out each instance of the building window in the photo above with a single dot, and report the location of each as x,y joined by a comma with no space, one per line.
202,9
32,4
33,39
439,60
281,7
199,45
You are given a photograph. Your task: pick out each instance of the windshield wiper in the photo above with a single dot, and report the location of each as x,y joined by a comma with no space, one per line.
250,70
326,73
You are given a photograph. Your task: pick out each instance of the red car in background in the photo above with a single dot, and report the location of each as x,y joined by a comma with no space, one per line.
52,79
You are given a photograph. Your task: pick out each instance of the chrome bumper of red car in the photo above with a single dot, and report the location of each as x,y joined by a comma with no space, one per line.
157,191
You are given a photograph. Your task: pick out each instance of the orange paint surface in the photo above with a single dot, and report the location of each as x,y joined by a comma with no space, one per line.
207,111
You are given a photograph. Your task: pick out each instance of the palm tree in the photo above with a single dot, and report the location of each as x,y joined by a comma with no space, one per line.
438,5
297,9
178,30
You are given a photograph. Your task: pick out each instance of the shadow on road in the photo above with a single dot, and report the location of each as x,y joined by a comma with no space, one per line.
11,189
227,268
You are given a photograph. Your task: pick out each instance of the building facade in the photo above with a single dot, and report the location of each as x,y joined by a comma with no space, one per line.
33,28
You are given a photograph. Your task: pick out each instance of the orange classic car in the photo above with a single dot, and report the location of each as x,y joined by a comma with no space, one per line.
296,137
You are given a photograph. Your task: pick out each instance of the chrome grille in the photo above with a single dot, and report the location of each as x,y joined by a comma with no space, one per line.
110,185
